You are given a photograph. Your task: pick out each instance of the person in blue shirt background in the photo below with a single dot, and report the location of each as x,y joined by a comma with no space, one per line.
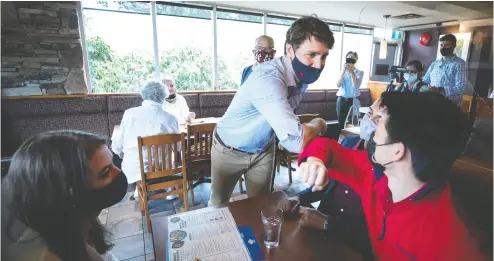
263,51
349,88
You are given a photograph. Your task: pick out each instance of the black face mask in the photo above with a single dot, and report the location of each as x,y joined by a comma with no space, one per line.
171,97
99,199
447,51
351,60
371,149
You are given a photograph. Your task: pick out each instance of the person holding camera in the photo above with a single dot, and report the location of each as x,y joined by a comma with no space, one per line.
349,88
413,78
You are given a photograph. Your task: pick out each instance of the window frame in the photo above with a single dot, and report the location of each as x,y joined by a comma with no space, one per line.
266,20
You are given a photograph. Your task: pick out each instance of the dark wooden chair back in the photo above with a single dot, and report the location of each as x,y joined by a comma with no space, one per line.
161,172
199,141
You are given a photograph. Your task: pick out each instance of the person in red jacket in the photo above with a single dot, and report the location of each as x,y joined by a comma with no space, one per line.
401,179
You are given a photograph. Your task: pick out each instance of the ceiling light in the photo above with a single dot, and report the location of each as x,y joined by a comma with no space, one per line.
383,50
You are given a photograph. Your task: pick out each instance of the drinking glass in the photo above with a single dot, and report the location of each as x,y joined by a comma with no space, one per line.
272,219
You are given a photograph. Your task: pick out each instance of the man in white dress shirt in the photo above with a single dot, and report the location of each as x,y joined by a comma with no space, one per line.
176,103
146,120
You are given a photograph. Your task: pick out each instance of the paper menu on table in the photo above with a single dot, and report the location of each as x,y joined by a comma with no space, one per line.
206,235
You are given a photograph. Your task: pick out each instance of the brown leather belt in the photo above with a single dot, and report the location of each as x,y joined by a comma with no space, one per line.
229,147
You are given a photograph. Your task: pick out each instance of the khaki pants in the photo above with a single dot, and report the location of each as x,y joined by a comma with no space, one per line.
227,166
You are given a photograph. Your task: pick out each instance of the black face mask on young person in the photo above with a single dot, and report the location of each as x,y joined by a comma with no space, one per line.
99,199
447,51
371,150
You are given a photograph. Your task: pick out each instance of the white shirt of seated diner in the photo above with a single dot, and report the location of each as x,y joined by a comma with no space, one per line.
178,108
146,120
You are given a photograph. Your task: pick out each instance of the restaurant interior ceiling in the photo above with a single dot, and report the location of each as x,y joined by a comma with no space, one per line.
371,12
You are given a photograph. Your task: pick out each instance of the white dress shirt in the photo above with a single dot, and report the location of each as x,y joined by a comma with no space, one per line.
178,108
146,120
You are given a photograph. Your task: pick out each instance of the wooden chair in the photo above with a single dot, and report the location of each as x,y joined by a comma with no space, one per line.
162,171
284,156
198,153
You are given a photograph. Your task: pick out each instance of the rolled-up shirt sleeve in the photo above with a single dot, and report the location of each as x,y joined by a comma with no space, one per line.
273,104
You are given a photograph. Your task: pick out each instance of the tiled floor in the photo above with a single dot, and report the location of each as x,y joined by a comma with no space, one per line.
129,229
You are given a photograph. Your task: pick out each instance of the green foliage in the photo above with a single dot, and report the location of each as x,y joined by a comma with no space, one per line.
112,73
190,66
239,17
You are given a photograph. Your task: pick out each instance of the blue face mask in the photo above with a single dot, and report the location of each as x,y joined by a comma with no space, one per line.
410,77
305,74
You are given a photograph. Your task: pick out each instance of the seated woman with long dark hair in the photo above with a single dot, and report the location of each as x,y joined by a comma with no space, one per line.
57,185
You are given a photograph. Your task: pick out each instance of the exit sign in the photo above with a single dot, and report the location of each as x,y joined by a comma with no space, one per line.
398,35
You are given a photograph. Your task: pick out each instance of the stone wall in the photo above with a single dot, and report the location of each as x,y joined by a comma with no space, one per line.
41,49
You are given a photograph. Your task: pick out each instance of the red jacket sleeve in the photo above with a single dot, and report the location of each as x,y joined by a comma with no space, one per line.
351,167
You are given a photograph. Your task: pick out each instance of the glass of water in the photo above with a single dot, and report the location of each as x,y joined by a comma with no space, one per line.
272,219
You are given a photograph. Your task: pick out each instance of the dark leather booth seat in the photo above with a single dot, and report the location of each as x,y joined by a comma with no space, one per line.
23,118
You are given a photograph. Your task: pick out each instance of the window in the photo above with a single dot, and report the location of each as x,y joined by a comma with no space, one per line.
119,41
120,45
331,71
185,44
360,41
236,32
276,28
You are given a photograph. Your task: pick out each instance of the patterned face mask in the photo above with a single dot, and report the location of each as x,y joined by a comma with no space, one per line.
263,55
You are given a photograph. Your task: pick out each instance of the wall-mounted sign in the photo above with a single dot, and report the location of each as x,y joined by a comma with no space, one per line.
391,35
398,35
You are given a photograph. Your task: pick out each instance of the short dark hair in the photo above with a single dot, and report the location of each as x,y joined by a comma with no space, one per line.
354,53
433,128
46,173
416,64
307,26
449,38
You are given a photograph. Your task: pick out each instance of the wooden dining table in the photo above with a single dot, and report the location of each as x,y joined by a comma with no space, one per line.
296,243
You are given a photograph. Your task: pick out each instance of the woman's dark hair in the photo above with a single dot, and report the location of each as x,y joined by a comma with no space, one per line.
431,126
47,172
416,64
354,53
307,26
